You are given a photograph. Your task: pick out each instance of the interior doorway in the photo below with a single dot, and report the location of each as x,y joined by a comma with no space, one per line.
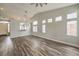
4,28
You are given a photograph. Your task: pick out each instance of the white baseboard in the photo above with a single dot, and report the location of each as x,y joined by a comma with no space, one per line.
74,45
19,36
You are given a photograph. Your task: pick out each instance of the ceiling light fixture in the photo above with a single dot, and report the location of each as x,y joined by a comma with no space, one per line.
38,4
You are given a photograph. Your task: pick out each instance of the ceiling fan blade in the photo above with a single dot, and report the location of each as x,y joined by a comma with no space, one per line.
31,3
45,3
41,4
36,4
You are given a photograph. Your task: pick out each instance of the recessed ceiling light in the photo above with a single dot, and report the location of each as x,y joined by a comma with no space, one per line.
1,8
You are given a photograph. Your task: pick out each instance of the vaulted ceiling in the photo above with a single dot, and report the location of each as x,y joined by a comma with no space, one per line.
26,10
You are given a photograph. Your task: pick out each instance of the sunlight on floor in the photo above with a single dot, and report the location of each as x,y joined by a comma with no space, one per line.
35,44
7,46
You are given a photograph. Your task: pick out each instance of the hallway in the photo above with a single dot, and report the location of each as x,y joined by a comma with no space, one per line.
34,46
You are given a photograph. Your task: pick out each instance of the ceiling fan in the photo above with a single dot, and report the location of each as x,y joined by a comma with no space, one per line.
38,4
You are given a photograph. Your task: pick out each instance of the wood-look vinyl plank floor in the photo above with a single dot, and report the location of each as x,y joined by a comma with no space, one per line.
34,46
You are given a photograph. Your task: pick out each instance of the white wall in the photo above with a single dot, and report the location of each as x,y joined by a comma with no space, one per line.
15,29
56,31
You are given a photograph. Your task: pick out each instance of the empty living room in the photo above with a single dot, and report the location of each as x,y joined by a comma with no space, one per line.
39,29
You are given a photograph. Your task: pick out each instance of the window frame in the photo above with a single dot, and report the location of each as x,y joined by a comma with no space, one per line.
44,24
70,34
43,28
72,15
58,18
23,26
43,21
35,26
35,29
50,20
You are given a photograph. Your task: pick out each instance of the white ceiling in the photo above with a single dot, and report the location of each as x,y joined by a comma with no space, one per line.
18,9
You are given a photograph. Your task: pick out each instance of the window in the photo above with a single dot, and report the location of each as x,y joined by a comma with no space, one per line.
8,27
35,28
22,26
35,22
50,20
44,21
72,28
59,18
43,28
72,15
